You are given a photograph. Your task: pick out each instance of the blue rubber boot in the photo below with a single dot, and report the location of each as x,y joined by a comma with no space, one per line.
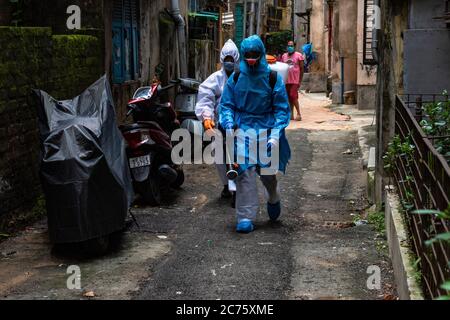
245,226
274,211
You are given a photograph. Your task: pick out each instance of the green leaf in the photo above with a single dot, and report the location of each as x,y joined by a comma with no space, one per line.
446,286
443,236
439,214
442,298
439,237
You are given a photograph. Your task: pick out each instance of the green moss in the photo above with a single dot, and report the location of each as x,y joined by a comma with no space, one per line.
30,32
63,65
377,219
76,58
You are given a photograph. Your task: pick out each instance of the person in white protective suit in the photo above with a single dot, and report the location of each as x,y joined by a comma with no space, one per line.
208,100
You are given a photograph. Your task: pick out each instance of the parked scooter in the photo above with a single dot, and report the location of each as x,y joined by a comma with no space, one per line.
186,100
149,143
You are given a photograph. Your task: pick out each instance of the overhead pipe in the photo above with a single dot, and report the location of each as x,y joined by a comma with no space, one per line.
181,35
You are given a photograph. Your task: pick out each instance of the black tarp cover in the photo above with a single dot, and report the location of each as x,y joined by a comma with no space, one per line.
84,167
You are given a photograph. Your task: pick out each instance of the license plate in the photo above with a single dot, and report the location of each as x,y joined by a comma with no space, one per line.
140,162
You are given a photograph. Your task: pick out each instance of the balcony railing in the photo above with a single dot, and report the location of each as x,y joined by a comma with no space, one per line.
423,182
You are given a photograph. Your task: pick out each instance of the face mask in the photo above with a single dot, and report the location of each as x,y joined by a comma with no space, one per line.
228,66
252,62
291,49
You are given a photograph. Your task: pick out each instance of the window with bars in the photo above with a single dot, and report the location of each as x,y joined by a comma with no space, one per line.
125,25
369,24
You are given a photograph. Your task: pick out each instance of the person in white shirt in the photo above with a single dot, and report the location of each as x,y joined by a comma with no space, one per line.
209,96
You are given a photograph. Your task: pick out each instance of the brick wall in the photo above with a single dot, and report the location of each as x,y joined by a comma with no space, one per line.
34,58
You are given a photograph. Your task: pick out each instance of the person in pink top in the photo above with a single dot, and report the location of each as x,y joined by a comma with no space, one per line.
295,60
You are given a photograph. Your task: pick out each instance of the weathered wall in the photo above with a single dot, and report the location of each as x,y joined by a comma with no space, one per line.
33,58
316,79
427,61
389,81
348,41
366,74
286,21
427,47
76,64
202,59
407,54
52,13
344,42
422,14
158,50
317,35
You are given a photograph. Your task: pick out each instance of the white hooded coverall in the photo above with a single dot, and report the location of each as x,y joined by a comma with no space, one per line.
210,93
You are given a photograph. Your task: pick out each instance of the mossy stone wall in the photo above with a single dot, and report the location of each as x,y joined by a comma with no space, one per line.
63,65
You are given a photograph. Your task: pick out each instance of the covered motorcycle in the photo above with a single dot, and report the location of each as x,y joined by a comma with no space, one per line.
84,170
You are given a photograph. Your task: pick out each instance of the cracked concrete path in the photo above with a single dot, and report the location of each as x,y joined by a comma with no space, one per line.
188,247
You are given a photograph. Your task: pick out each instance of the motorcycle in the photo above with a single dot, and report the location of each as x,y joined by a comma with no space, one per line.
82,169
149,143
185,102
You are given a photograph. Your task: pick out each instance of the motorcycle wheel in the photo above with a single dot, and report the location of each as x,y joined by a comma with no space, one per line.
180,179
151,191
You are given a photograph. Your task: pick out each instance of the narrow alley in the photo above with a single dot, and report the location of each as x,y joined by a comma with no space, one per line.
201,151
188,249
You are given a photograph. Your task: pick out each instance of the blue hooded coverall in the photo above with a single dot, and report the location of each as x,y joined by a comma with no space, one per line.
250,103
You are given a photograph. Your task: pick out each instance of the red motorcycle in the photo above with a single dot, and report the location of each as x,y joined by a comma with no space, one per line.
149,143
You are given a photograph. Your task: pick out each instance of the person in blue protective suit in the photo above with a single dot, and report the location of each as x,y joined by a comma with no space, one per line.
251,101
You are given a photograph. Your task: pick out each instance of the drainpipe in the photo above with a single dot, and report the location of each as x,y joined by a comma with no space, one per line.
181,35
342,80
330,32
